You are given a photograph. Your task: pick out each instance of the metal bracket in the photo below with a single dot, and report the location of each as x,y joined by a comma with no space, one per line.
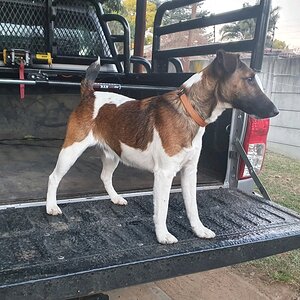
253,174
38,76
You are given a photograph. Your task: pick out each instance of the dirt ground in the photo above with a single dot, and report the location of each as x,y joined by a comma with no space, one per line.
221,284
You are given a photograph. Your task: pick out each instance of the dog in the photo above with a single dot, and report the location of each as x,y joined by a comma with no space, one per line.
162,134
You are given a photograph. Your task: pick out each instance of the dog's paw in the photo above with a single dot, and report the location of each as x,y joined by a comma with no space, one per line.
119,200
53,210
204,233
166,238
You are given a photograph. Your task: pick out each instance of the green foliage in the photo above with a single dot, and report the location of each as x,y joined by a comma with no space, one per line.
277,44
242,30
110,6
180,14
281,176
129,12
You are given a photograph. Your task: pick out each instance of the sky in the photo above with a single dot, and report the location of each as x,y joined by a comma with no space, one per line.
288,24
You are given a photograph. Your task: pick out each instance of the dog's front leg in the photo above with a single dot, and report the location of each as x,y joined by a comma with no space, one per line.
162,186
188,184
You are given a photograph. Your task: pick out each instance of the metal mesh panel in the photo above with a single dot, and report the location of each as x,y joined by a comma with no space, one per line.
77,30
22,25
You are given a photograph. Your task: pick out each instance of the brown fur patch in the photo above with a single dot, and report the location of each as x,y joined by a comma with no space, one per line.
81,119
133,122
130,123
176,129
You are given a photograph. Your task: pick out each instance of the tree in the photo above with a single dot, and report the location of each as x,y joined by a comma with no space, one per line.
180,14
188,38
110,6
243,30
274,17
129,12
277,44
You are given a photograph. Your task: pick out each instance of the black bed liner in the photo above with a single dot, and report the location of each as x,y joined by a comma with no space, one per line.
97,246
26,165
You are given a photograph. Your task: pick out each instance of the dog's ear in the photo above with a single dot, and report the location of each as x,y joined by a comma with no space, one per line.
227,61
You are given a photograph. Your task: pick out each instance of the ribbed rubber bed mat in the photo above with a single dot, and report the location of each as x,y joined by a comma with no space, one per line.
96,246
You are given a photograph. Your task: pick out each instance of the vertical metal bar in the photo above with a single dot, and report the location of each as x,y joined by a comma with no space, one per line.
156,38
140,27
260,34
107,35
126,46
125,38
252,172
237,127
49,26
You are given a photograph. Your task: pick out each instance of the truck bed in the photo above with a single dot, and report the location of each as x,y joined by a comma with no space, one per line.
97,246
26,165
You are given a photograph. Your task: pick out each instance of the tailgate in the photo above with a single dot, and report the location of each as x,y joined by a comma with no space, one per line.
96,246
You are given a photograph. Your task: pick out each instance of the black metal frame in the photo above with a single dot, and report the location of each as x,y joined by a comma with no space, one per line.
142,61
121,61
177,64
260,12
125,39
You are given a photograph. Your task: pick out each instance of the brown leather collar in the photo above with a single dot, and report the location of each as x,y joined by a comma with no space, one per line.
190,110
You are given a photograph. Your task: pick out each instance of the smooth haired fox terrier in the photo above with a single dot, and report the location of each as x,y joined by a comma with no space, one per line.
162,134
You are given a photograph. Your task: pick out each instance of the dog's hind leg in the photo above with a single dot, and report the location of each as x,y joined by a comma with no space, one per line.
189,184
66,159
161,193
110,163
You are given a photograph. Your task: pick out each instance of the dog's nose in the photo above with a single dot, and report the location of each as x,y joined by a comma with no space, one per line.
274,113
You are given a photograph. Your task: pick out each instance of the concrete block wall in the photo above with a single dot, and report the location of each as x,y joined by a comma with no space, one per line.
281,79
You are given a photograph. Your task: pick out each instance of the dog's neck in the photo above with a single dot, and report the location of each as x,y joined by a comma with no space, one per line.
201,90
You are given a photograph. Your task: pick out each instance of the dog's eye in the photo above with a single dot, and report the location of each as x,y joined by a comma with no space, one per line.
250,80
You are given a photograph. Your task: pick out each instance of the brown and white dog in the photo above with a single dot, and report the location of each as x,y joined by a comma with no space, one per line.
162,134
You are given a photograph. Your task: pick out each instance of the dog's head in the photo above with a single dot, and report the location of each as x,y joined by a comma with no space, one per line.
240,87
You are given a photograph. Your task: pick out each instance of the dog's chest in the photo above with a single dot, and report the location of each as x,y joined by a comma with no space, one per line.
155,158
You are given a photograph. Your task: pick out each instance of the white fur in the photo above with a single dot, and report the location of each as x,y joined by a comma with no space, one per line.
108,97
109,165
259,82
66,159
193,79
164,167
220,107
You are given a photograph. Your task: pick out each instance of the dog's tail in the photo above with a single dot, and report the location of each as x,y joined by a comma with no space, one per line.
90,77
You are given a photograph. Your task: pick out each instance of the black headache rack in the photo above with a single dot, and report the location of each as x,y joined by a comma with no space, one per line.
259,12
76,32
72,31
96,246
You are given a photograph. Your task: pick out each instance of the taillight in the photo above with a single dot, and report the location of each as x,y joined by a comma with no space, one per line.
254,145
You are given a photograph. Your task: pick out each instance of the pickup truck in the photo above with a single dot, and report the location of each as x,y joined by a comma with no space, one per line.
96,246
